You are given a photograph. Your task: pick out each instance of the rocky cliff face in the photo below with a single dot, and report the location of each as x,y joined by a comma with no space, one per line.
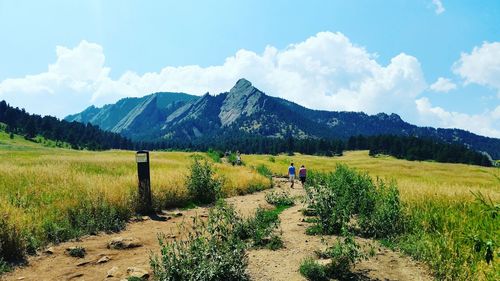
247,109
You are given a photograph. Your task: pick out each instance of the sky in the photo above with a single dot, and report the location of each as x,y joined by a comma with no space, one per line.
434,62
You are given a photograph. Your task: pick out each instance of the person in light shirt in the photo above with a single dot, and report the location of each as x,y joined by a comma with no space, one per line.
291,174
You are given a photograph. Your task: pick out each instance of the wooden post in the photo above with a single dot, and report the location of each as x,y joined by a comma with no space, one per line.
142,159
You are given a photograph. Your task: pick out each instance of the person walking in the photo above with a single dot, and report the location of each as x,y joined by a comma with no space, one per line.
291,174
302,174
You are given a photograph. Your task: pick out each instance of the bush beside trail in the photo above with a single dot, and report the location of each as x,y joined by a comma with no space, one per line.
215,249
458,241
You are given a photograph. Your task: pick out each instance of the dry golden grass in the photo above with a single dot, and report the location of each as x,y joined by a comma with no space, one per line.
39,183
416,180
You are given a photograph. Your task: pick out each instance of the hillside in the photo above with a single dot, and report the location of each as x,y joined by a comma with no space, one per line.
247,109
60,132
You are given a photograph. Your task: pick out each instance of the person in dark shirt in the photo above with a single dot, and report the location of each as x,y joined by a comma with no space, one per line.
302,174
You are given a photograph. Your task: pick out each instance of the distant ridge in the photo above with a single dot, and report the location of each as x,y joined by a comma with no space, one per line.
179,116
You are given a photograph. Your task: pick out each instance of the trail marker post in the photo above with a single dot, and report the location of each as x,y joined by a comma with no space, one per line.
142,159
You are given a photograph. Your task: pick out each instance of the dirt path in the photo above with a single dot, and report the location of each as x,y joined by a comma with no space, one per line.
283,264
263,264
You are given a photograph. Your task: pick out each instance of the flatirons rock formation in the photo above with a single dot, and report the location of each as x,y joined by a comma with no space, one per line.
246,108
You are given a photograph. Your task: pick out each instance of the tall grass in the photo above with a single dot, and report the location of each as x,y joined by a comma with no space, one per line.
54,194
458,238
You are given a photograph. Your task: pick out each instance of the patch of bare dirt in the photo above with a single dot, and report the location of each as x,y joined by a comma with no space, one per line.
107,263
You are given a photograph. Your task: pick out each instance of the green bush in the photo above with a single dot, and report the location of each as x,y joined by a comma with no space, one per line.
280,198
4,267
336,197
260,229
210,253
231,158
12,242
215,155
343,254
202,185
264,170
386,220
77,252
313,271
92,216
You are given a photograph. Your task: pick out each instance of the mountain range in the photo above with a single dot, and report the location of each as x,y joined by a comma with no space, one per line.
180,116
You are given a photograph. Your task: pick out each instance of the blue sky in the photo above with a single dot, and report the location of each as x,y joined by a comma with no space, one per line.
58,57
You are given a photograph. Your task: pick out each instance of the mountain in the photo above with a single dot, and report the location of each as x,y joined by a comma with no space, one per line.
137,118
177,116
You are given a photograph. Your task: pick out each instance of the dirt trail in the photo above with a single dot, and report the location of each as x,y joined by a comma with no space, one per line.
283,264
263,264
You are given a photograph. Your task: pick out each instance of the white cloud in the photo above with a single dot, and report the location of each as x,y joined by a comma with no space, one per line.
481,66
443,85
326,71
485,123
438,5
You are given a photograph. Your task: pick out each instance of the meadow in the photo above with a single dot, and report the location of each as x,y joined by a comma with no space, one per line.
453,209
50,194
53,194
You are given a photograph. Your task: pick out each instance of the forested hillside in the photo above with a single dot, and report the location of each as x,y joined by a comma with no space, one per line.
78,135
413,148
188,120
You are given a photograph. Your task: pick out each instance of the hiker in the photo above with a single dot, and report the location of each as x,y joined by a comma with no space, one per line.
302,174
291,174
238,158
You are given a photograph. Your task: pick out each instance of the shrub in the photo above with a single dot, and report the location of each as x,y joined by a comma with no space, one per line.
211,251
232,159
260,228
313,271
77,252
264,170
215,155
336,196
279,198
92,216
4,267
386,220
343,254
275,243
12,243
202,185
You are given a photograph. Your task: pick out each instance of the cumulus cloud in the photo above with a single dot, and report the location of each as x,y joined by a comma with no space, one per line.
438,6
443,85
484,123
481,66
326,71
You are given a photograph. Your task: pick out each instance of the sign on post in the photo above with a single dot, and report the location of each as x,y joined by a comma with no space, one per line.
142,159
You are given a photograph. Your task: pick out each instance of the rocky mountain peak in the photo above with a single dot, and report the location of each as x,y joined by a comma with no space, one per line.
242,85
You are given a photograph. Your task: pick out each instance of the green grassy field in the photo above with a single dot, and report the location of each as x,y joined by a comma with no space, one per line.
50,194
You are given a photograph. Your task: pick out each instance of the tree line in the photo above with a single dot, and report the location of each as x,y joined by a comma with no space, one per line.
250,144
88,136
78,135
413,148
